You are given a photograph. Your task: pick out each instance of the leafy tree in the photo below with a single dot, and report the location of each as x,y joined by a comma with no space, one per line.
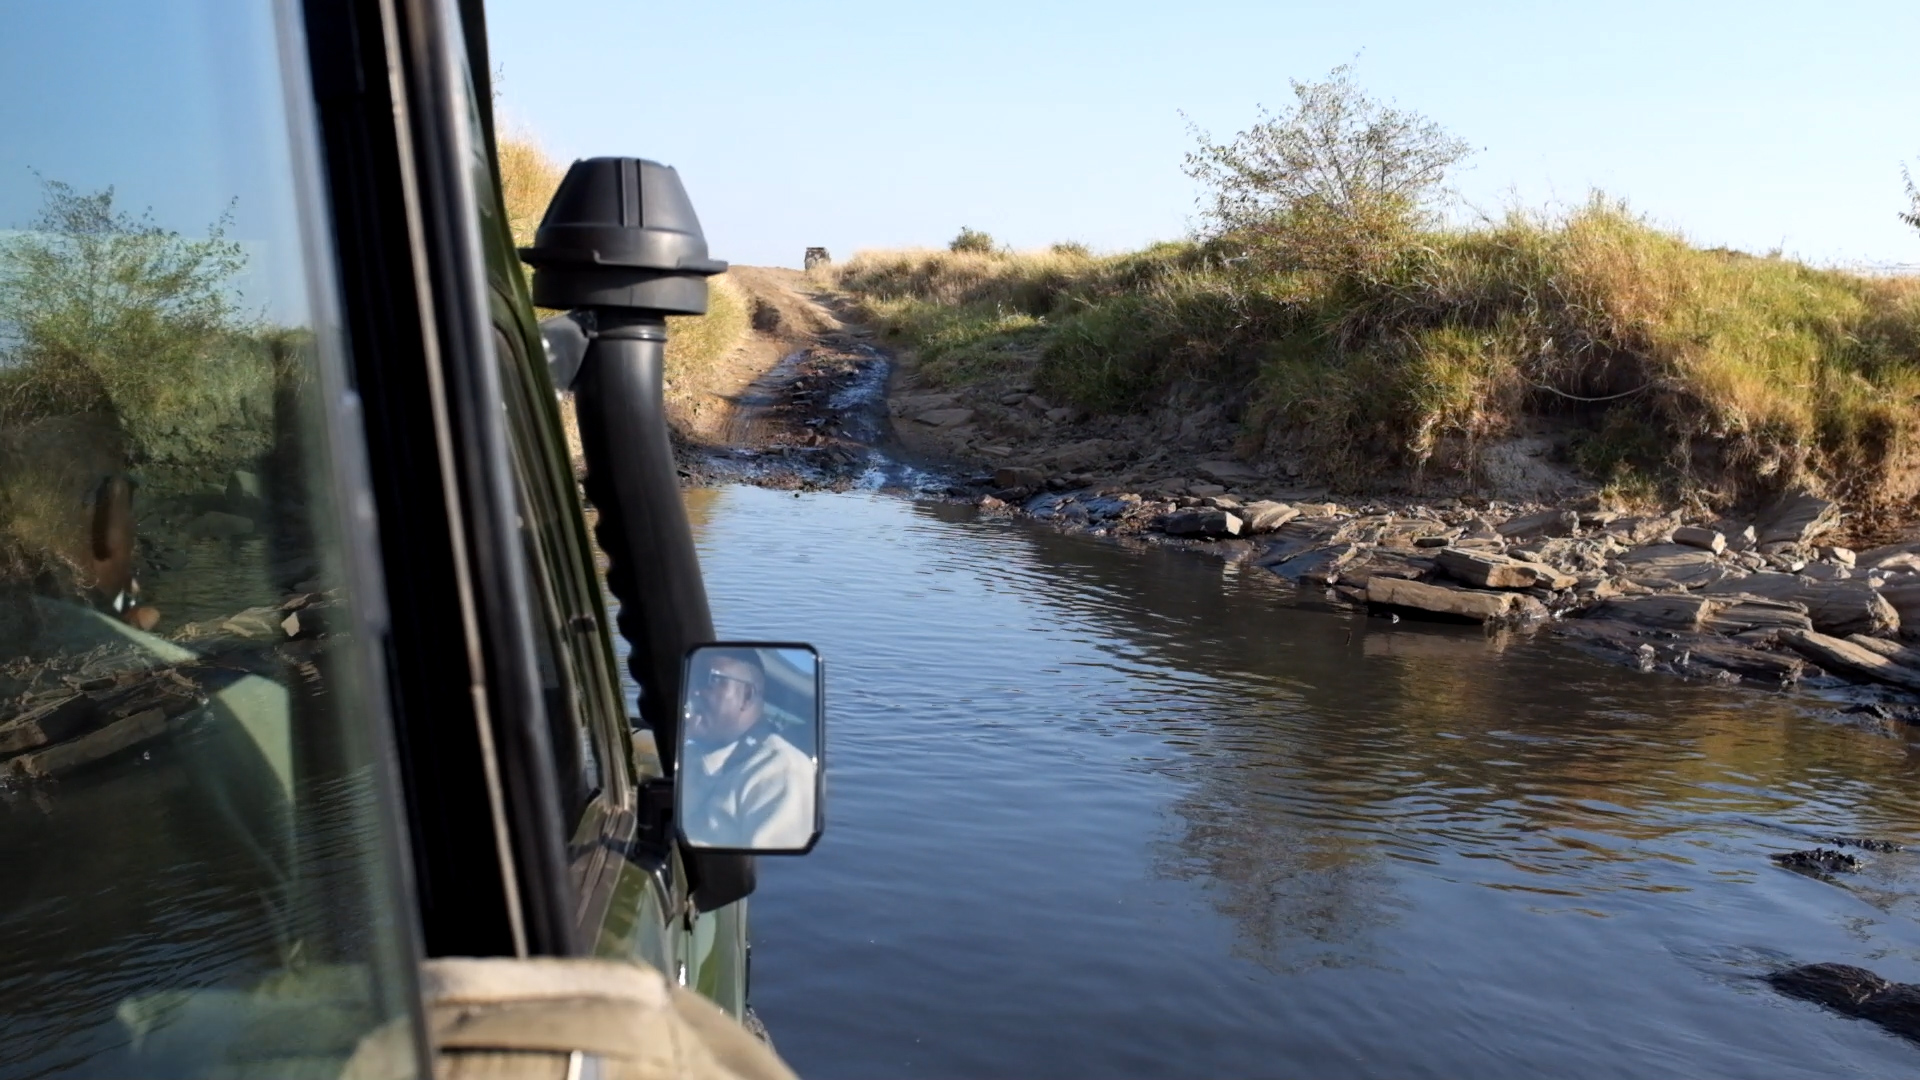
106,312
1336,182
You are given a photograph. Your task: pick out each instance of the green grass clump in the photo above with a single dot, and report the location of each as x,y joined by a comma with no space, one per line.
1685,369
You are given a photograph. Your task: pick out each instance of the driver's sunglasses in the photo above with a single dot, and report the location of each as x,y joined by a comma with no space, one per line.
718,680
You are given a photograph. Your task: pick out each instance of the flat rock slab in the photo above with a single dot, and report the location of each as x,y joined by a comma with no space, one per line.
1666,611
1798,519
1446,600
96,746
945,418
1678,564
1266,515
1697,537
1687,654
1545,523
1854,991
1321,566
1739,613
1208,524
1892,555
1490,571
1836,654
1836,607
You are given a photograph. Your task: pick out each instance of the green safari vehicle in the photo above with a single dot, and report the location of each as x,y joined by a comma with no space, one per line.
307,670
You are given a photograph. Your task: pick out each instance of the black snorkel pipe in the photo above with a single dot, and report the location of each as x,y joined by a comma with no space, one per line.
620,249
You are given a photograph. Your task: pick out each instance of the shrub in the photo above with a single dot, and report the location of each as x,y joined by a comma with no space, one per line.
111,314
971,240
1338,182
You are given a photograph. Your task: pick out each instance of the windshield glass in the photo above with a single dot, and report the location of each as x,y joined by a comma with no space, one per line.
198,870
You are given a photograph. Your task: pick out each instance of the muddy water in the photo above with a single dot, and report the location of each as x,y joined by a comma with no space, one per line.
1095,812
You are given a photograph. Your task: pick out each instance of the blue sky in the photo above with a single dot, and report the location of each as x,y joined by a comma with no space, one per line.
176,107
857,124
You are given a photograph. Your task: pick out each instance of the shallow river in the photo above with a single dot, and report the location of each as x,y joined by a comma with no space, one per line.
1100,813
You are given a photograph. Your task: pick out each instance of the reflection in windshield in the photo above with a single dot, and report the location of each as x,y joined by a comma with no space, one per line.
188,812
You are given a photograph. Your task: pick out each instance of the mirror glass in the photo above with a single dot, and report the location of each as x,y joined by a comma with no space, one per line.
748,773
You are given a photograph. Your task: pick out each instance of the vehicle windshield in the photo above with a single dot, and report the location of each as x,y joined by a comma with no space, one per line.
199,874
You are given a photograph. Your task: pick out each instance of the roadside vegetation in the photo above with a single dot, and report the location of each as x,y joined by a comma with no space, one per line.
1342,322
528,177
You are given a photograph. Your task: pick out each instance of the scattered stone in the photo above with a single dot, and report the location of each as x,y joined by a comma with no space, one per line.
1904,598
1266,515
1705,539
1201,490
1819,861
1820,571
1545,523
1798,519
1014,398
1208,524
1499,571
1017,476
1063,415
1445,599
1837,554
923,402
1739,537
1431,541
1866,843
1227,472
1643,530
945,418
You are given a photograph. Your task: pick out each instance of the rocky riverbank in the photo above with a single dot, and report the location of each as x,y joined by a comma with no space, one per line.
1766,600
1772,598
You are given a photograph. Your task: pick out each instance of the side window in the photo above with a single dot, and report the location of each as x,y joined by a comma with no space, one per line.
581,703
196,847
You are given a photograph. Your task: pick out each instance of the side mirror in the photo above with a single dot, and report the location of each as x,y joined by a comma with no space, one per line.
748,777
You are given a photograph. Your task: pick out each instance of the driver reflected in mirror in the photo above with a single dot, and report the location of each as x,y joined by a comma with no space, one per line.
747,785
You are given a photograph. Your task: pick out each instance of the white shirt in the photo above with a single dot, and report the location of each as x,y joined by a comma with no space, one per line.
754,792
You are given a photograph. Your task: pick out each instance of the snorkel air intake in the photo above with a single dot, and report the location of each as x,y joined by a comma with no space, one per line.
620,249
